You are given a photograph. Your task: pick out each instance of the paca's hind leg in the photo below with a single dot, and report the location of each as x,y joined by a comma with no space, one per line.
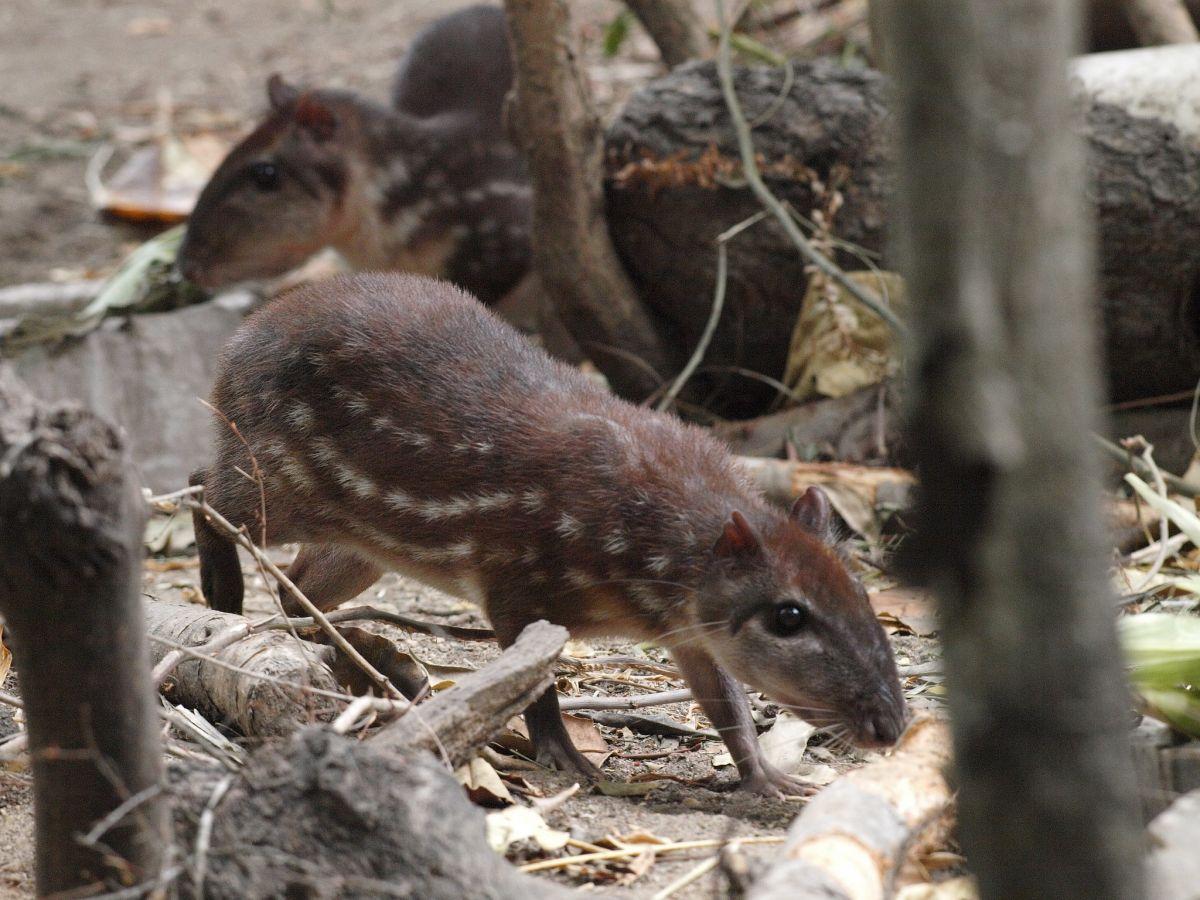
552,745
220,569
328,575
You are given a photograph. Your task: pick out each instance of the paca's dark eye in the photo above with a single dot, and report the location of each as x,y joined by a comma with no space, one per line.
787,619
265,175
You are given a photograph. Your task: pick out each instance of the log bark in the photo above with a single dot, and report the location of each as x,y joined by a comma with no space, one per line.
863,427
71,526
572,253
1172,865
675,28
996,247
318,815
253,706
321,816
673,188
454,724
852,838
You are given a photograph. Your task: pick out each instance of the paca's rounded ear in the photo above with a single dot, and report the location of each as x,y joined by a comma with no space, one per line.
315,116
812,511
282,95
737,540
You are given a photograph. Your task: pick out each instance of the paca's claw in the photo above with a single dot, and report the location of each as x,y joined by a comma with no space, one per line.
565,756
770,782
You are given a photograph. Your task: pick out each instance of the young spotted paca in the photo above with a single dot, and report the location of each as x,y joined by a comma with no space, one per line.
399,425
431,185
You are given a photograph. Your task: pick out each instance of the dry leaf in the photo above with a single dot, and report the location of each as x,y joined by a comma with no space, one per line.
906,609
160,183
819,774
584,735
5,657
784,744
483,783
856,492
629,788
382,652
839,346
517,823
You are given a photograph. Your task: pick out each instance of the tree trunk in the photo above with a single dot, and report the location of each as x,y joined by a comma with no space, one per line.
675,27
572,253
997,250
70,588
673,188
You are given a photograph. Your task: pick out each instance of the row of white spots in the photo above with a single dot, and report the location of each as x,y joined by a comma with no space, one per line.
498,189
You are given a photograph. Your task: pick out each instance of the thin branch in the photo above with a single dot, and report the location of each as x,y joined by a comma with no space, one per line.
710,327
1177,484
750,170
339,640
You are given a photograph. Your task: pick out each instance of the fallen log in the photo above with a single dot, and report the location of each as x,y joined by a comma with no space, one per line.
862,427
318,815
458,721
673,186
851,839
1172,864
321,816
263,685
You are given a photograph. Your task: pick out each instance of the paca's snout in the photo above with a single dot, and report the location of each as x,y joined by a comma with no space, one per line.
882,722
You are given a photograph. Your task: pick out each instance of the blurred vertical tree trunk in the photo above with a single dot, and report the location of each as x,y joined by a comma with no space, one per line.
71,525
554,125
675,27
998,250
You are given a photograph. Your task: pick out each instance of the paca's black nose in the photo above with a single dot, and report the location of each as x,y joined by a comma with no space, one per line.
883,727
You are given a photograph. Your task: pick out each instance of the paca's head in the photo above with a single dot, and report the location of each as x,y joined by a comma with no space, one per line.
278,197
790,619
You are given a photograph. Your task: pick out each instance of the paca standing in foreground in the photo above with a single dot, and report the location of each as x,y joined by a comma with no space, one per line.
400,425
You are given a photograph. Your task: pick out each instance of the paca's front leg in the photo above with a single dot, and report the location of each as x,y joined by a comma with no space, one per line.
328,575
724,702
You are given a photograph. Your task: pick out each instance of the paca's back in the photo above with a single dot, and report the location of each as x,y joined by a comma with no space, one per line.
396,414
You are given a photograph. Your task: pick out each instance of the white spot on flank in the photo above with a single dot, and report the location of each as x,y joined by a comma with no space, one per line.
354,401
530,556
299,416
473,447
296,474
579,579
533,499
568,526
658,563
615,542
404,435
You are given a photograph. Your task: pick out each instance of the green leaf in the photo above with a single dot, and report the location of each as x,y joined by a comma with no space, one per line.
616,32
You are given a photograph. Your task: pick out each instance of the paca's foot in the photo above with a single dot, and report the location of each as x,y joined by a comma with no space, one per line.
562,754
768,781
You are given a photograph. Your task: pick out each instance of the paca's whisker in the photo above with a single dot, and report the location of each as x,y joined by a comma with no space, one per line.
700,627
